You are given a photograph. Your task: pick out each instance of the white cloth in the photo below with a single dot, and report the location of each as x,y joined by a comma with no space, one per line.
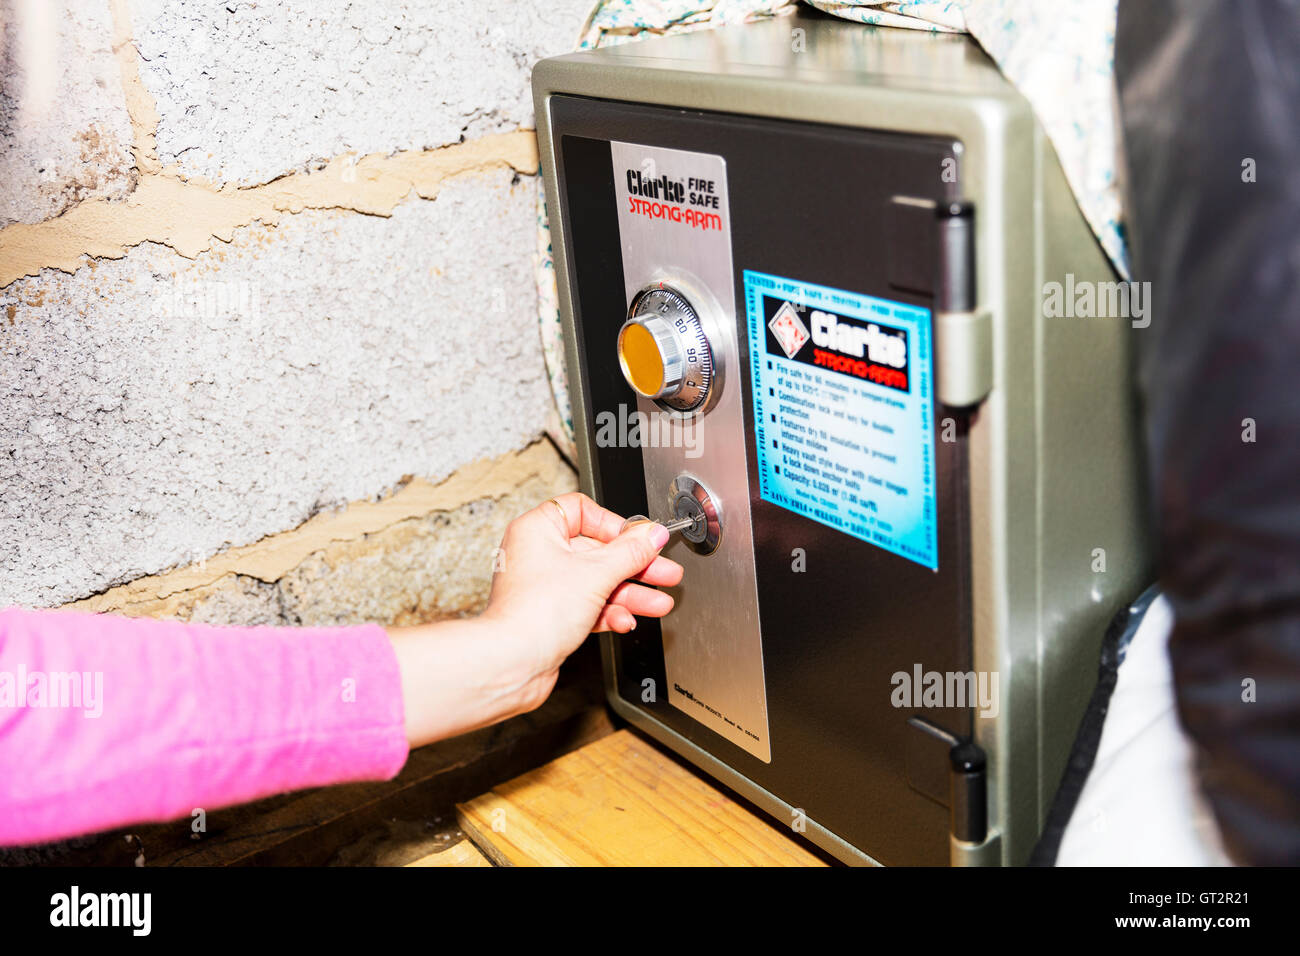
1142,805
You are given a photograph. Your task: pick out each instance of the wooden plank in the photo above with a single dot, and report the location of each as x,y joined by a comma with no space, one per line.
622,801
463,853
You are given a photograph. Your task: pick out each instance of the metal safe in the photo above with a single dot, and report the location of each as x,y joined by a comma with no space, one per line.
802,267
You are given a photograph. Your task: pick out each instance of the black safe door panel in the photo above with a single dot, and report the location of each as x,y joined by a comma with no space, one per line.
839,616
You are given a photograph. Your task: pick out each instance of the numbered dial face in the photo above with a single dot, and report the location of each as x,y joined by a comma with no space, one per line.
664,352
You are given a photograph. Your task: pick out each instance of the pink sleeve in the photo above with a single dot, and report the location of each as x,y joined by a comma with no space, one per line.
133,720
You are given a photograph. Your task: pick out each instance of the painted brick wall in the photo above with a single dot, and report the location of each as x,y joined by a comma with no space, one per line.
265,265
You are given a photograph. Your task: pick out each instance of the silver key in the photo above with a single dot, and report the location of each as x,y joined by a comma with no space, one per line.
678,524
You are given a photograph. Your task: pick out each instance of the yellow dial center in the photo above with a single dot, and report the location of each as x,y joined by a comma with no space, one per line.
642,362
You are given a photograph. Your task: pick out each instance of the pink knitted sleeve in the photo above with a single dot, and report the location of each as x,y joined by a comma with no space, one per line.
106,721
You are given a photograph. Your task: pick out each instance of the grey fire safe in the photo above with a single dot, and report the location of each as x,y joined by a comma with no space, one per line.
802,269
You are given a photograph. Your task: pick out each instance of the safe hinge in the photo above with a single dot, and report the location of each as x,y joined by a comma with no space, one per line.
963,332
967,789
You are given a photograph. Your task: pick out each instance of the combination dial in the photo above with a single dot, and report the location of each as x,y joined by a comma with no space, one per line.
664,352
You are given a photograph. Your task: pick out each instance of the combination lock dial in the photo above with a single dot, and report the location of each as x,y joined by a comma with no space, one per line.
664,352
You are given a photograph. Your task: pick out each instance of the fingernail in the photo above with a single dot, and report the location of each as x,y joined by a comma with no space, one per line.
659,536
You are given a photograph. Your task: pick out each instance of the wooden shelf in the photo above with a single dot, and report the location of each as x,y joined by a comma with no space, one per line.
621,801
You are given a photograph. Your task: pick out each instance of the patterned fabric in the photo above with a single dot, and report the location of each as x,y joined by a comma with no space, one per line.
938,15
617,21
1059,55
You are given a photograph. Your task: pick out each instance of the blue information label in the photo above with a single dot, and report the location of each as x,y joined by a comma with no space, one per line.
843,411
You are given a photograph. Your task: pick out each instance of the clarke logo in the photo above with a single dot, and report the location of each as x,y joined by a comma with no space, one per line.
862,348
658,187
693,202
881,346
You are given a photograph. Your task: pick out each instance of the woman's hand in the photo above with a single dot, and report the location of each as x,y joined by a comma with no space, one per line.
563,571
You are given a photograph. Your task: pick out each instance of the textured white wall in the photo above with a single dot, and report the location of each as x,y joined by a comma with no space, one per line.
72,140
155,409
270,87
